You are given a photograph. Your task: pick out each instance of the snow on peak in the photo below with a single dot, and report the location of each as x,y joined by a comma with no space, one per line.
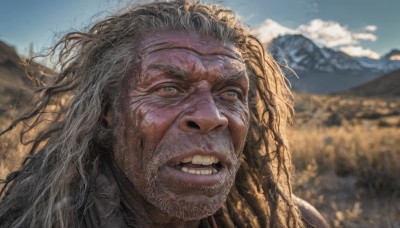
270,29
300,53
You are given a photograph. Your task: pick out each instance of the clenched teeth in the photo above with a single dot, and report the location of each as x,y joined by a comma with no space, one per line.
201,160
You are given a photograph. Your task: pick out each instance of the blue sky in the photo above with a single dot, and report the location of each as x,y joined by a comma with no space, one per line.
366,27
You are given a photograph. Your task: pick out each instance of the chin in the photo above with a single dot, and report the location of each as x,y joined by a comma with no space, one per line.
194,203
192,207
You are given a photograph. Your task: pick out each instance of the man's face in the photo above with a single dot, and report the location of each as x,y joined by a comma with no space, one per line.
183,122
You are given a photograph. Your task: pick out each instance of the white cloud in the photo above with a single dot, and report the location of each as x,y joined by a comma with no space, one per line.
327,33
370,28
270,29
365,36
333,34
359,51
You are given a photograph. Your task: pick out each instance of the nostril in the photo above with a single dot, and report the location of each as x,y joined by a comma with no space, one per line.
193,125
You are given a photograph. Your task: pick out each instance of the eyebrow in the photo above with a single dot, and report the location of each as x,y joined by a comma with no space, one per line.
233,74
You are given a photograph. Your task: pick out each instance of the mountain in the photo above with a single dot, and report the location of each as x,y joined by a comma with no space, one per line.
385,86
304,55
322,69
13,79
12,74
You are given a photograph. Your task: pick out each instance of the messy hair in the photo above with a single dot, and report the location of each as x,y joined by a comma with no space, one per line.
53,184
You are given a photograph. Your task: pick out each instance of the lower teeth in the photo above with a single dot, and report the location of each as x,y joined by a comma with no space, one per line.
199,172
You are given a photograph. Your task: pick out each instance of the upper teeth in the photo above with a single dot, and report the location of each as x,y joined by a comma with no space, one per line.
201,160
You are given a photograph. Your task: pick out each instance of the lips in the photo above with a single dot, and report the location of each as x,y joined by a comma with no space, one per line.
197,168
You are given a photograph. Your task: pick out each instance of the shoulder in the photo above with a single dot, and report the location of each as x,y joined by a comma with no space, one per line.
310,216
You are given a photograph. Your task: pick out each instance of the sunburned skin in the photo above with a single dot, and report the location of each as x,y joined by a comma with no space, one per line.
183,123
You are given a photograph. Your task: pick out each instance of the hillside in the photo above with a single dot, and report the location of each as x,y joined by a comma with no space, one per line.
14,83
16,88
385,86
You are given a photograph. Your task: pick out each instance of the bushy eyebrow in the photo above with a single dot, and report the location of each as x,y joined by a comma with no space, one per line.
232,74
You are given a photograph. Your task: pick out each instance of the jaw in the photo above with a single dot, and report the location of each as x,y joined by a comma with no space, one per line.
189,196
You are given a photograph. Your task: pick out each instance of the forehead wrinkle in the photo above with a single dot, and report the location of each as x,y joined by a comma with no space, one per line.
172,70
236,72
160,41
151,49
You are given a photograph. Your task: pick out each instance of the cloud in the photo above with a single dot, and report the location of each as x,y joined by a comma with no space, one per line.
359,51
270,29
370,28
326,33
365,36
333,34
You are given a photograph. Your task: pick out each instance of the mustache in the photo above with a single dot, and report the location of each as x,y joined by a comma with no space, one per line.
181,144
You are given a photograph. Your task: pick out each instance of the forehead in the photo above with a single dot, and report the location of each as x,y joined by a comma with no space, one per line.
202,45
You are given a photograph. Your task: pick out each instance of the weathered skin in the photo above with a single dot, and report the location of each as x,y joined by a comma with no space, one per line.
188,96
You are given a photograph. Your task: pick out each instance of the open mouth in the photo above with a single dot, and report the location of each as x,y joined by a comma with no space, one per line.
199,165
196,169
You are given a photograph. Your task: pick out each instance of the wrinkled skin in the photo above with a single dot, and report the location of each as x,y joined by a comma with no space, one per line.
188,96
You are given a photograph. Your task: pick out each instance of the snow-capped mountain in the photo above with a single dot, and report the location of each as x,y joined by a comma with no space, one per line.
322,69
303,54
382,65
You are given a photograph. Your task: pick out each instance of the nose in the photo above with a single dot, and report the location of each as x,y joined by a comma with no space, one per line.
204,116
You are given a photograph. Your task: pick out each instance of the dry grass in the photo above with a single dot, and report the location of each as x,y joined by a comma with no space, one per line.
11,151
349,169
370,154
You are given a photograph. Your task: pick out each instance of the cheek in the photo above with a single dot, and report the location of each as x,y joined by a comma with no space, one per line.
143,125
156,121
238,127
128,144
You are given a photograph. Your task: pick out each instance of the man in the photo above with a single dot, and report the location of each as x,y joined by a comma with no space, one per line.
166,104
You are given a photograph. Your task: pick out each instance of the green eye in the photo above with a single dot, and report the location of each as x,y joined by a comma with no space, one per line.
231,94
169,89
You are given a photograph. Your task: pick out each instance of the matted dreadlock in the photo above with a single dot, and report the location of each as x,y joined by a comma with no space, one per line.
52,186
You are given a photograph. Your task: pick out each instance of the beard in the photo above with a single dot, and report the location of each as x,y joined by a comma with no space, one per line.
204,200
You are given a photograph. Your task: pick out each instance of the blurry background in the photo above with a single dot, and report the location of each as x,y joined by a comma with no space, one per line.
345,140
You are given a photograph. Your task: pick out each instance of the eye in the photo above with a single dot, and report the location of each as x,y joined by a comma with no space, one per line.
167,91
231,94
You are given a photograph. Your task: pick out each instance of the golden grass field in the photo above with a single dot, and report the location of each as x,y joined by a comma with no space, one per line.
347,153
345,150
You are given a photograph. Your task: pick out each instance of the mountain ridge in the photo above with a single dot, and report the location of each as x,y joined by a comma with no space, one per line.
322,69
387,86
